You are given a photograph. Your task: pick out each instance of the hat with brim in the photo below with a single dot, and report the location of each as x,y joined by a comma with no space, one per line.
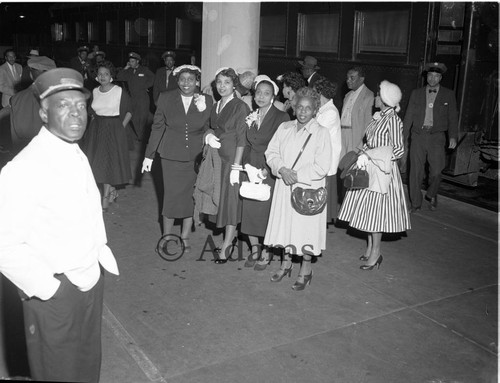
309,62
435,67
349,159
41,63
83,48
100,53
57,80
168,54
133,55
33,52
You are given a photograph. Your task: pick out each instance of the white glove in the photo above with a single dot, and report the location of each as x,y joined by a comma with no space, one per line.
212,140
253,174
234,177
362,161
146,165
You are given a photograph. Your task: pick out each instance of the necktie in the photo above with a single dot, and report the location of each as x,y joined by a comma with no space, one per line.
432,91
168,75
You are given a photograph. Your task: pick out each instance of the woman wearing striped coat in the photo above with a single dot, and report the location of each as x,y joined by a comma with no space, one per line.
371,211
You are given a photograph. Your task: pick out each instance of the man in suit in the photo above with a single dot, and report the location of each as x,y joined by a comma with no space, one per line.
431,113
81,64
309,67
356,110
10,75
164,78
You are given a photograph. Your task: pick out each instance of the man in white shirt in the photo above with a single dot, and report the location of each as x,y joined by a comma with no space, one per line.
53,240
356,110
10,75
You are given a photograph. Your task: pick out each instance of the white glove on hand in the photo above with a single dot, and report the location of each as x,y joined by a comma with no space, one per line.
234,177
362,161
146,165
253,174
212,140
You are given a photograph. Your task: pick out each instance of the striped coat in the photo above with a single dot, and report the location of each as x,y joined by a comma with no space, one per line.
374,212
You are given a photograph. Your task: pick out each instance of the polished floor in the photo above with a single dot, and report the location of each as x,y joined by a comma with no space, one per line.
429,314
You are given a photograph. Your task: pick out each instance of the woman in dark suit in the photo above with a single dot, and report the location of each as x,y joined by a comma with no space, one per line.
262,124
228,134
180,120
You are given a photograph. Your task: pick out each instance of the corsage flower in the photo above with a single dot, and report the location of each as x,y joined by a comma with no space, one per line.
377,116
251,118
199,101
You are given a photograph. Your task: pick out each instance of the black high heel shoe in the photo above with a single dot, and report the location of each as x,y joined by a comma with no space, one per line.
297,286
376,264
277,277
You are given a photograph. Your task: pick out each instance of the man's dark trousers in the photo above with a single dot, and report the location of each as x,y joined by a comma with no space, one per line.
63,334
431,148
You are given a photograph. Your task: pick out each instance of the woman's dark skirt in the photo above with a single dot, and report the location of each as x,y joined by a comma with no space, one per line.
106,146
179,178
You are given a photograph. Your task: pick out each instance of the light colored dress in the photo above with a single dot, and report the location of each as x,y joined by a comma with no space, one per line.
299,234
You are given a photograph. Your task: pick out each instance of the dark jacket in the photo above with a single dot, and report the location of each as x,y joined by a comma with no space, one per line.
176,135
445,115
161,81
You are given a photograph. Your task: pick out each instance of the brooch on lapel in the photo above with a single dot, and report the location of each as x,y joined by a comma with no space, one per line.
251,118
199,101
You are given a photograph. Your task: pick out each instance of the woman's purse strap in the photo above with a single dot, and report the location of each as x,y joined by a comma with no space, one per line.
301,150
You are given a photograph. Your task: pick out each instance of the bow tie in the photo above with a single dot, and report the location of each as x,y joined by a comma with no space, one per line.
432,91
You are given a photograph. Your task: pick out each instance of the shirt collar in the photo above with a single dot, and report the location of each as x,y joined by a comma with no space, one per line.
310,77
56,143
325,106
309,127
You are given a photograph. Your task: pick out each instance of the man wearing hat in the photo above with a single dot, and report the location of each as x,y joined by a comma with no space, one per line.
53,242
10,76
430,117
25,120
81,63
308,67
164,78
139,79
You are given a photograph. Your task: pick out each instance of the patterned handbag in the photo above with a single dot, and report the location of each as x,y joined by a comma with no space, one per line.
308,201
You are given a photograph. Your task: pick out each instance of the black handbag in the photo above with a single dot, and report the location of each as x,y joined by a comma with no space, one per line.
356,178
308,201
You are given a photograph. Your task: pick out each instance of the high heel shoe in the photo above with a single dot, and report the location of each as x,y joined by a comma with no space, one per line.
277,277
252,258
187,246
376,264
298,286
261,265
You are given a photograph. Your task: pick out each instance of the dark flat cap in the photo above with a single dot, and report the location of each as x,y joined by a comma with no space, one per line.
57,80
168,54
133,55
435,67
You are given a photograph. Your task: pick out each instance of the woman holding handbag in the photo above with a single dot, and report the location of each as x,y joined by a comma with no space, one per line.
262,124
299,155
371,210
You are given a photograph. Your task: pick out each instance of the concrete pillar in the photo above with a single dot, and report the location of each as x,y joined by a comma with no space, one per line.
230,38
